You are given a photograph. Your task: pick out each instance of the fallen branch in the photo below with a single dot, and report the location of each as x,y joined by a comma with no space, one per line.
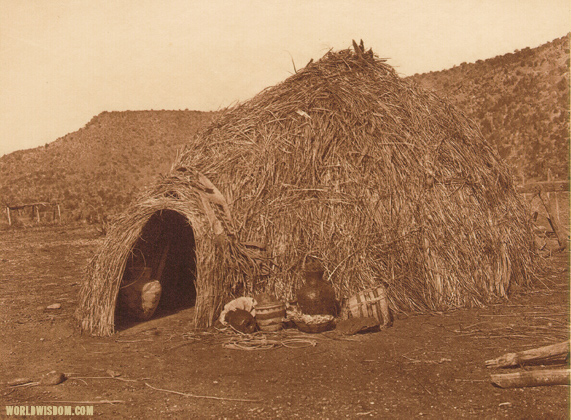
532,378
103,377
515,359
184,394
21,382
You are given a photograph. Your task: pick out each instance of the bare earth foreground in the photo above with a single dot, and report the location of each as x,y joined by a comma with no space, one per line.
429,366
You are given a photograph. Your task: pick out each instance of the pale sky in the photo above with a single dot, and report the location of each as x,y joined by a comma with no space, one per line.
64,61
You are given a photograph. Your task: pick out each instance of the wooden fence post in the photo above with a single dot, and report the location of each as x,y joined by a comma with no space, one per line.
543,189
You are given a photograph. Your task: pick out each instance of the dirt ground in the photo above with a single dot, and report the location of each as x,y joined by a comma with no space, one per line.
425,366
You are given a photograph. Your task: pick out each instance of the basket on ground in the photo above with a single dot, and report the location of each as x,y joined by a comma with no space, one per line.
312,323
370,303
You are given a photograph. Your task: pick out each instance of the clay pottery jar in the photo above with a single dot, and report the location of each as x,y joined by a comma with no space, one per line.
316,296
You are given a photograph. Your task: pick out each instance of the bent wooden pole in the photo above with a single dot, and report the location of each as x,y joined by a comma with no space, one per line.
532,378
514,359
560,237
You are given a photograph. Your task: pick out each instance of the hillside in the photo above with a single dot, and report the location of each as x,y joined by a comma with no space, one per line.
97,169
521,102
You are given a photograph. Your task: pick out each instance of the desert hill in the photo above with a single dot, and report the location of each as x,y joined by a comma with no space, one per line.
97,169
520,100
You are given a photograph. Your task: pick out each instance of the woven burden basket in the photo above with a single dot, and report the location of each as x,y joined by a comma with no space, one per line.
370,303
270,317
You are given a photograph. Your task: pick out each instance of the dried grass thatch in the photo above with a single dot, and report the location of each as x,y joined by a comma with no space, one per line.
344,161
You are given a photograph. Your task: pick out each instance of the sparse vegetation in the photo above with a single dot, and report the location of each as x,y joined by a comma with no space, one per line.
95,171
521,101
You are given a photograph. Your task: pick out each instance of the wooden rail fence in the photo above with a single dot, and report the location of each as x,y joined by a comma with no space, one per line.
35,210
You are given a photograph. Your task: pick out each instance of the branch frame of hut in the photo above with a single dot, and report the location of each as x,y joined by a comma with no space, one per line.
377,178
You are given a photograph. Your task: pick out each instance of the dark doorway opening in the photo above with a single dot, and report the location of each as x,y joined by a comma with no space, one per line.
164,252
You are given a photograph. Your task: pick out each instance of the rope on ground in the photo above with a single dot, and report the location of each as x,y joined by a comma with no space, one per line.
251,342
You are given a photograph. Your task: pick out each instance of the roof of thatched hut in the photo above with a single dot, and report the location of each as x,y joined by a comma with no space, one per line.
344,161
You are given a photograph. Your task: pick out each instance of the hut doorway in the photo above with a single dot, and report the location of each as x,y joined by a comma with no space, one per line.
164,252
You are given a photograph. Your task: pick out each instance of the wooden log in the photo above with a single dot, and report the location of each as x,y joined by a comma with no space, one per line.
515,359
531,378
8,214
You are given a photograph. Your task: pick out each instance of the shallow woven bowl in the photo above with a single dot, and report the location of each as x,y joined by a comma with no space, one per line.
314,328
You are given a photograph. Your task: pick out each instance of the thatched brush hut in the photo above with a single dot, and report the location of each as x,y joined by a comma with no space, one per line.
344,161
